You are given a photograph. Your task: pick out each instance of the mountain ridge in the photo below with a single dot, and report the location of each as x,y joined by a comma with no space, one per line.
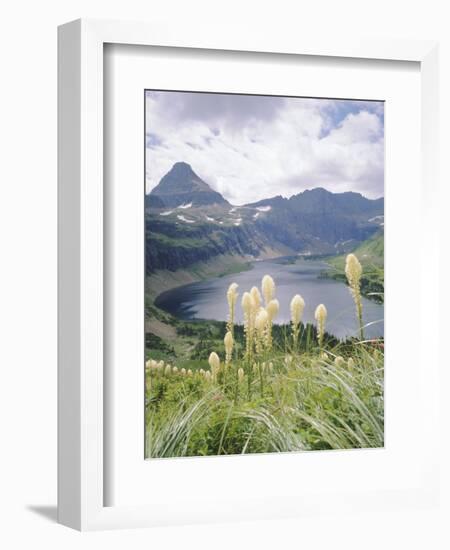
181,179
187,222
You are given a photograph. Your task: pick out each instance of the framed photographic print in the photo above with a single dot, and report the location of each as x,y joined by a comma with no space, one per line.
234,291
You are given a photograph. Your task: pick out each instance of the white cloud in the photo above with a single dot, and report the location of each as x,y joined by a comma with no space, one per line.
277,147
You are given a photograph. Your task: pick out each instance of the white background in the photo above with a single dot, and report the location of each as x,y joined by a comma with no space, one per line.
28,271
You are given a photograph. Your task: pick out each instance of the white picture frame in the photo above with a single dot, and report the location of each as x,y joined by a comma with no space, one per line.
81,405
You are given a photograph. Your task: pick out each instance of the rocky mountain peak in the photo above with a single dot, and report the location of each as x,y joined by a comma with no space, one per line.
181,185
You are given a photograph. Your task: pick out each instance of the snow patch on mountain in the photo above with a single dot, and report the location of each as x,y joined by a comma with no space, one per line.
183,219
342,243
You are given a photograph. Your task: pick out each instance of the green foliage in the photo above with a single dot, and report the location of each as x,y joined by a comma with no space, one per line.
155,343
309,403
371,255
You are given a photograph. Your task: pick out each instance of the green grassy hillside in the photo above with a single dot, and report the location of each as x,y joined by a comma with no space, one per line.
371,255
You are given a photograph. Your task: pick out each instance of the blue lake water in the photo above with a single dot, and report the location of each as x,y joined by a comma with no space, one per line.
207,299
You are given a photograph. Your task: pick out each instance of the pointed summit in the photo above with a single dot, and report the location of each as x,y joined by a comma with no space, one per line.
181,185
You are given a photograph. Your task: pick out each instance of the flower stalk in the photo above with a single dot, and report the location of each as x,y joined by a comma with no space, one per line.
353,272
297,307
214,363
232,296
228,343
321,317
272,308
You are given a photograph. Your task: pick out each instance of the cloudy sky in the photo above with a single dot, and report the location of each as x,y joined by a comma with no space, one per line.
253,147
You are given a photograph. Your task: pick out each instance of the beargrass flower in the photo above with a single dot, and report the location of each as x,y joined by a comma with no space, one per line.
228,342
268,288
297,307
272,308
214,362
261,324
248,306
321,317
240,374
247,303
261,320
232,294
167,370
353,272
232,297
256,295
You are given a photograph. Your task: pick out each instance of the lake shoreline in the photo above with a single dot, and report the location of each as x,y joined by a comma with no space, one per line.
206,299
215,268
170,280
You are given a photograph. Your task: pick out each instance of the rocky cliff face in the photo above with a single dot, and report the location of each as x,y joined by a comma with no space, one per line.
172,247
316,220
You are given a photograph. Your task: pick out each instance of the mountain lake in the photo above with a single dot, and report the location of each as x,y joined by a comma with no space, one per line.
207,299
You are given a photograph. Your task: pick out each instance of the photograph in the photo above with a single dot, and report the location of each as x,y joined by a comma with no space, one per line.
264,274
204,231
